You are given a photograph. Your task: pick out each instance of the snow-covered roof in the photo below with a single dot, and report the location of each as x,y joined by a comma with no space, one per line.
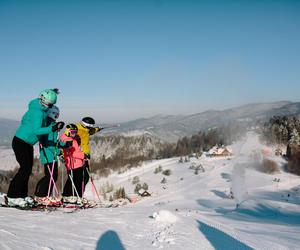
141,191
219,150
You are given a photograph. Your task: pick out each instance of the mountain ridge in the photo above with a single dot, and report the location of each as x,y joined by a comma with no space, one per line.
172,127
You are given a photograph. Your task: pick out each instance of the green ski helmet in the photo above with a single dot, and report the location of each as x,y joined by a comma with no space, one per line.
48,97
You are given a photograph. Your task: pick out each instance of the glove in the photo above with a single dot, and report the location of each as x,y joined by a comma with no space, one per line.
58,126
93,131
69,144
87,156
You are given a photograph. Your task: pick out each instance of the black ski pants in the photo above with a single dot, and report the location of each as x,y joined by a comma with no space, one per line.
43,184
18,187
80,178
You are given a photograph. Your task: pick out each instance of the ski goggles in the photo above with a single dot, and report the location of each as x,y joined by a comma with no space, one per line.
87,125
73,132
47,105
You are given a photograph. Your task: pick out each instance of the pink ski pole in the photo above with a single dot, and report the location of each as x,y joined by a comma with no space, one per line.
50,172
52,179
93,184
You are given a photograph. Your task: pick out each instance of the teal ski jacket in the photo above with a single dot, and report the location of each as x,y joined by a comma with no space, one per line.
50,146
33,123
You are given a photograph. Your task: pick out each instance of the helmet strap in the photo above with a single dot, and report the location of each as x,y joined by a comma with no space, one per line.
43,103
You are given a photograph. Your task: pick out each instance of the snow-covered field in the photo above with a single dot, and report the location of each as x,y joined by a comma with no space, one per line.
188,212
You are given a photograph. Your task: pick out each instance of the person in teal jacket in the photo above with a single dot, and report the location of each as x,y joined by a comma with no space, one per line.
50,149
33,125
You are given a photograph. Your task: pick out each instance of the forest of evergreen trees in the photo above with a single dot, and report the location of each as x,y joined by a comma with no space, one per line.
285,130
203,141
281,130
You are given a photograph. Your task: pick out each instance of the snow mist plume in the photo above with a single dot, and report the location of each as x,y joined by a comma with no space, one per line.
244,159
238,183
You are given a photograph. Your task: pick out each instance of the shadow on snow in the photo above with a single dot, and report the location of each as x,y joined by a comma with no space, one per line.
253,210
219,239
220,194
110,241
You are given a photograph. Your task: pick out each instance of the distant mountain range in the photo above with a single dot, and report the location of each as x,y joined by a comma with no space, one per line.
171,127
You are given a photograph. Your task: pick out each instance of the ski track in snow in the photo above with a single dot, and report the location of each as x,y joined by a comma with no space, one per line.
205,216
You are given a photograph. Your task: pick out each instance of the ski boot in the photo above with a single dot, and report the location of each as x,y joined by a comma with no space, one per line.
16,202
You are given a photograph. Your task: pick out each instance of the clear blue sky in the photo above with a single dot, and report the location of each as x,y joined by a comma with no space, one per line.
119,60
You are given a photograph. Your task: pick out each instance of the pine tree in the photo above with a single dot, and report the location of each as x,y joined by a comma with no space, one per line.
135,180
163,181
137,188
145,186
123,193
109,187
294,138
104,195
167,172
116,194
159,168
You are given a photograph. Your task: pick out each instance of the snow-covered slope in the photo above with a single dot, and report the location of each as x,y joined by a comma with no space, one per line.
188,212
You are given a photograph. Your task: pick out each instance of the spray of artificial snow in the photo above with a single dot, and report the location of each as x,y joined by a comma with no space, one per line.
244,159
238,183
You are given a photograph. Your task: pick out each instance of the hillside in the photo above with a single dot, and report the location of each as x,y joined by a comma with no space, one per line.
171,128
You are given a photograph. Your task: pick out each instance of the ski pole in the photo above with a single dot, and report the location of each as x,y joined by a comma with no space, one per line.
83,177
62,174
51,179
50,172
93,184
72,166
71,178
53,165
92,181
82,183
74,187
112,126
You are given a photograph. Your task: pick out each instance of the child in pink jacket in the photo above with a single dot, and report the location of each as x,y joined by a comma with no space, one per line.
74,162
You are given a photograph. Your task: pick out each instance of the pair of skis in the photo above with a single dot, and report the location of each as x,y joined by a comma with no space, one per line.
66,207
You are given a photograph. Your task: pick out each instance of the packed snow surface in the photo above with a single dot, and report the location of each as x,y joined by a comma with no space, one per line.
230,205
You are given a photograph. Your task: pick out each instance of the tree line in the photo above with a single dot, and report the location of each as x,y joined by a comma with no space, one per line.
285,131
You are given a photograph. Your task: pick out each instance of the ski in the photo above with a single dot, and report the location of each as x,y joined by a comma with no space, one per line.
40,208
67,207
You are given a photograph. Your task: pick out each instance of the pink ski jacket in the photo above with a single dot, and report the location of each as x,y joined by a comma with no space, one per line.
74,157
